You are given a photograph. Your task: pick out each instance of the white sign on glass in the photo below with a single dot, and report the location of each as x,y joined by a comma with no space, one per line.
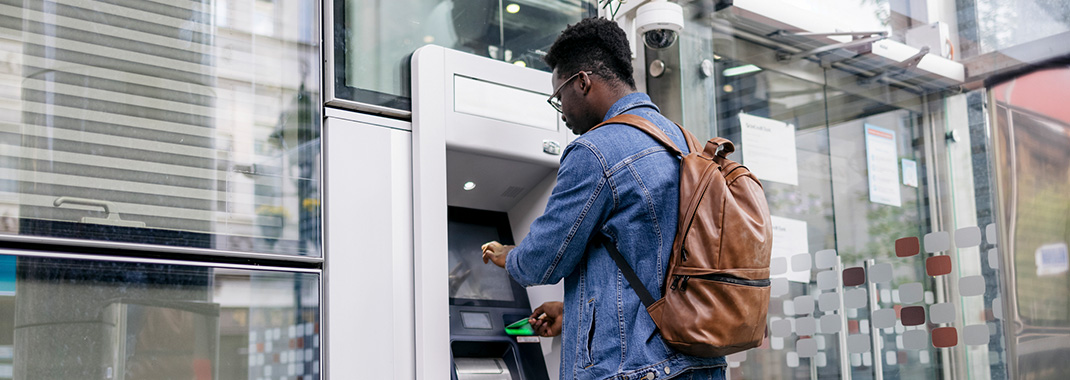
882,162
910,173
768,149
789,239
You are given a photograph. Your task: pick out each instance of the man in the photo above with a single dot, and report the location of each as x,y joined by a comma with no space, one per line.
614,181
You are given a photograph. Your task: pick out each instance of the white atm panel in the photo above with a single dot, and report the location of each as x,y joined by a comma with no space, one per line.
368,272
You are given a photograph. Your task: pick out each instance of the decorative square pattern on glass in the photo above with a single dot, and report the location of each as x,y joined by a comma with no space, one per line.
827,280
806,326
738,357
944,337
972,286
854,276
828,301
908,246
997,307
806,348
830,323
804,305
916,339
800,262
942,313
858,343
937,241
855,298
911,292
990,234
778,287
938,265
968,237
883,318
780,328
912,315
993,258
880,273
974,335
825,259
778,266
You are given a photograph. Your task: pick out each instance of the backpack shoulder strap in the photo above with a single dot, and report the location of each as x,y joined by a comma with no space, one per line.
626,270
647,126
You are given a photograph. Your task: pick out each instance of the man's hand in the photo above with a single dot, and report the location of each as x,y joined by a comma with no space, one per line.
496,252
547,318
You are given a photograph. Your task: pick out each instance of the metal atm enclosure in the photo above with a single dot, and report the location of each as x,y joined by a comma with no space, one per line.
486,148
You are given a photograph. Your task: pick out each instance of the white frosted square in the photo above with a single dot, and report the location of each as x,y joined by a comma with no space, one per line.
937,241
885,296
825,259
884,318
891,358
829,301
997,307
942,313
855,298
858,343
993,258
776,343
806,348
804,305
738,357
923,357
828,280
856,360
792,359
800,262
778,266
974,335
929,297
806,326
967,237
972,286
880,273
911,292
789,307
867,359
821,359
778,287
780,328
830,323
915,339
990,234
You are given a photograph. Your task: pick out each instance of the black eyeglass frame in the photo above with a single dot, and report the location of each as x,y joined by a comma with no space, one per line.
553,100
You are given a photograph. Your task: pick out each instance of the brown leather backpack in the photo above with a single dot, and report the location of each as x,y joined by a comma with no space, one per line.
717,286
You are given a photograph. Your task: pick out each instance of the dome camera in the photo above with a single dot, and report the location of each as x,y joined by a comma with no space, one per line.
659,22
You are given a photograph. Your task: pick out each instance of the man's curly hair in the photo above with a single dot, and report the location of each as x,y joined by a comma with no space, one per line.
594,44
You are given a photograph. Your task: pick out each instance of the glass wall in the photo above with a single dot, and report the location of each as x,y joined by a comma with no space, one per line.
191,124
374,39
919,227
82,319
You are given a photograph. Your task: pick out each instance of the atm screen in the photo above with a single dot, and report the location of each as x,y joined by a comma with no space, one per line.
470,280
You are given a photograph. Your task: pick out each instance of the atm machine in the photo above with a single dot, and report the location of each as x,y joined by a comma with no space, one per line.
486,148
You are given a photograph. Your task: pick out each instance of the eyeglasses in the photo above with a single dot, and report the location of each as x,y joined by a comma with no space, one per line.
555,100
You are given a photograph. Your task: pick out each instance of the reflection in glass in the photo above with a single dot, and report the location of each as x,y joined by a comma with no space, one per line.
192,124
75,319
375,39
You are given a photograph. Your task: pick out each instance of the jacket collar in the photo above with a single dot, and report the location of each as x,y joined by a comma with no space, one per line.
633,100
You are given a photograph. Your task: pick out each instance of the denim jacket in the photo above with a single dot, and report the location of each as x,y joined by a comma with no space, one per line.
613,180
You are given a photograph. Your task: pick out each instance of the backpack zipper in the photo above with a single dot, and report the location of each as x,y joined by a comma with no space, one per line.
680,281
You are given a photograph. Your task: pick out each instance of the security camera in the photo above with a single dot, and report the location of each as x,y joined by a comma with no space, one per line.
659,22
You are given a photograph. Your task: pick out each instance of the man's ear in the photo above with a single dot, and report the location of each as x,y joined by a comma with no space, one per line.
585,83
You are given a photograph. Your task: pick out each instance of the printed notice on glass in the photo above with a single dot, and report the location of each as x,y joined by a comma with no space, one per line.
768,149
789,239
882,161
910,173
